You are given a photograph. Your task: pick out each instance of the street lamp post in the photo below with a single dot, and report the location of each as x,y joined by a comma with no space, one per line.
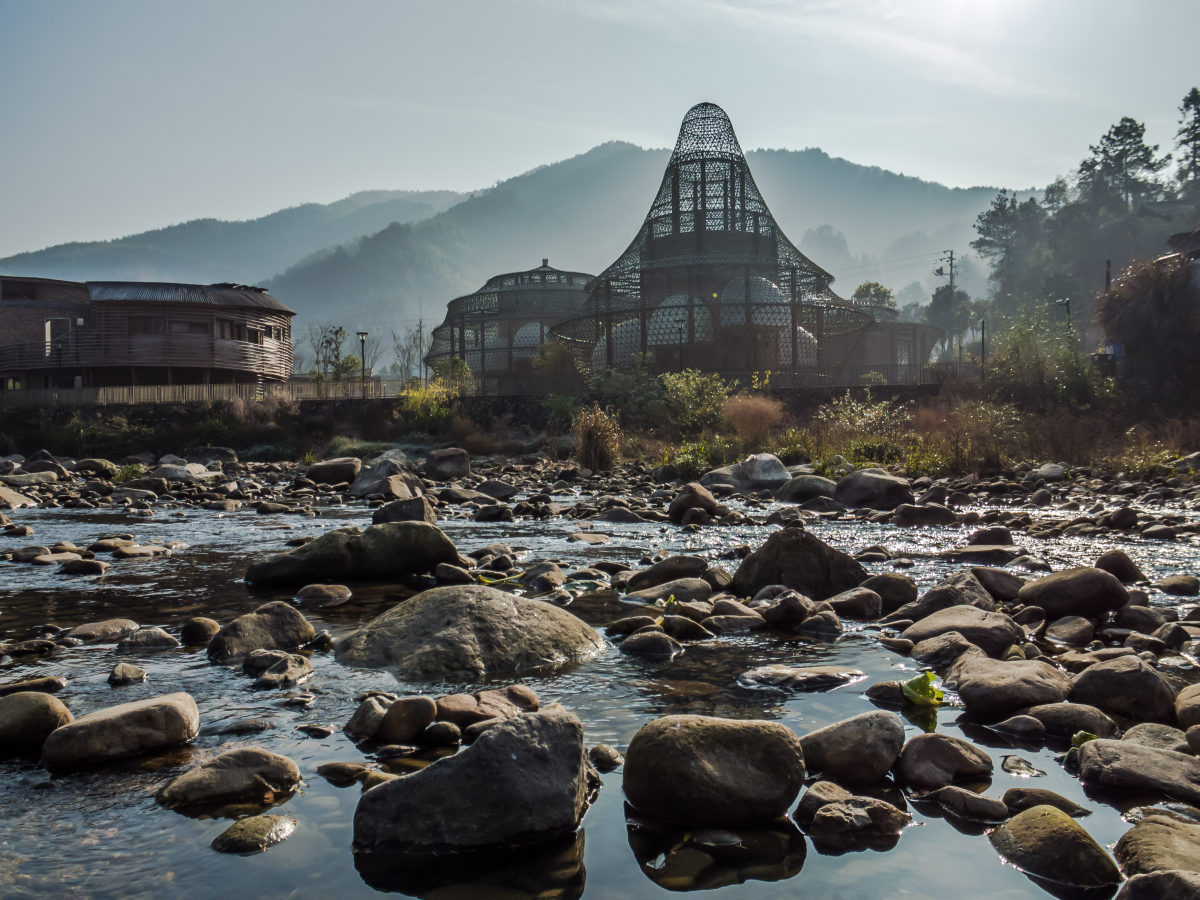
362,358
680,348
1066,301
983,349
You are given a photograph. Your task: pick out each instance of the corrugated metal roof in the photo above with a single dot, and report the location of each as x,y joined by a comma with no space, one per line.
234,295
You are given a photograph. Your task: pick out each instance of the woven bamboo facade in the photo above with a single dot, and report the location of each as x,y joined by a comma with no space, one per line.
102,334
499,329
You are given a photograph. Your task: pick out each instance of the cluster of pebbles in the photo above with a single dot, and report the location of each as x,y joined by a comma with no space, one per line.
1088,660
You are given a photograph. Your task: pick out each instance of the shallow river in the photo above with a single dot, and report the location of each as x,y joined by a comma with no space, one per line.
101,833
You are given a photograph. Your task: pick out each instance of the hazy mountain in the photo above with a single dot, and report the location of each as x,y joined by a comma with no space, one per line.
212,250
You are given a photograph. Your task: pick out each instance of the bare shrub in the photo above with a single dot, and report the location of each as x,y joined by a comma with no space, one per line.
597,437
752,416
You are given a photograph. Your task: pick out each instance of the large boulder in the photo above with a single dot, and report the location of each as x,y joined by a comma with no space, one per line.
936,760
415,509
117,732
1126,766
389,478
861,748
669,569
26,720
1159,843
803,488
388,551
993,688
990,631
1085,591
523,780
1047,843
1126,686
797,559
704,771
693,495
470,631
342,470
273,626
448,463
760,471
874,488
10,499
244,773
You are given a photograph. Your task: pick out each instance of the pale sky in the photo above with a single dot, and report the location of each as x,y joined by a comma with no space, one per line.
125,115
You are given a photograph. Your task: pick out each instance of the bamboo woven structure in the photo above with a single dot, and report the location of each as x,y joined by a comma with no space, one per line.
711,282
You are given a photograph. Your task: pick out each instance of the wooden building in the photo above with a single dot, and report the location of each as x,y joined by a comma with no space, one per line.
63,334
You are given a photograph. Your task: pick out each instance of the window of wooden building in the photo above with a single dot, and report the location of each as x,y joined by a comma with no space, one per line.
184,326
147,325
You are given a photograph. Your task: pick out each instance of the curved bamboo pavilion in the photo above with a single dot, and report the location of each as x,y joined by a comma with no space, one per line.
711,282
499,329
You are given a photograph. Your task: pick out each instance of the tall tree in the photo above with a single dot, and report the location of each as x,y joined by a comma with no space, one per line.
1122,167
1187,141
948,311
1009,232
872,293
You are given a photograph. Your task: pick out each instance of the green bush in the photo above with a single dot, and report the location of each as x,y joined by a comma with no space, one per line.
1037,366
426,407
695,399
597,436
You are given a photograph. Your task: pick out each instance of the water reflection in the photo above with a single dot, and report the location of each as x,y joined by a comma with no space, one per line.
549,871
683,859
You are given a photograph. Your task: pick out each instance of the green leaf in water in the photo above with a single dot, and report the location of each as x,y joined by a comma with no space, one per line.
1079,738
483,579
921,690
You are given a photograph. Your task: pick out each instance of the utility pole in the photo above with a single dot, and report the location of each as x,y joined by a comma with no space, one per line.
421,347
941,271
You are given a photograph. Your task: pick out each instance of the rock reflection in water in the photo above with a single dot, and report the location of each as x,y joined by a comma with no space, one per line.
548,871
699,859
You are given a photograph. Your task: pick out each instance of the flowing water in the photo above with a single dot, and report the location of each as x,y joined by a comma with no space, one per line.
101,833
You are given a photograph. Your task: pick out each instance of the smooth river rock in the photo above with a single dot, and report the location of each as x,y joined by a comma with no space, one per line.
470,632
273,626
705,771
1047,843
861,748
993,688
1084,591
1159,843
992,632
388,551
244,773
1126,686
936,760
118,732
26,719
1126,766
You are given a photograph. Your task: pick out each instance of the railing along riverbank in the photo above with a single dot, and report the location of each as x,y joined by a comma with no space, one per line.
383,388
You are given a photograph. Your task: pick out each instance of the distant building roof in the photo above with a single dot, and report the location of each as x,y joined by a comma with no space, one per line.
225,294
